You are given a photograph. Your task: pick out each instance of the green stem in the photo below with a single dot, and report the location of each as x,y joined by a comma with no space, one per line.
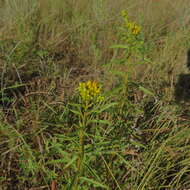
81,151
81,157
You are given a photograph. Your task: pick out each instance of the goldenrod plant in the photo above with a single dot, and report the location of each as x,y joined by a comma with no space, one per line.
91,103
130,37
128,52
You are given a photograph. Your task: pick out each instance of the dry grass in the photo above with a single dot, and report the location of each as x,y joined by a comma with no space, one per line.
46,48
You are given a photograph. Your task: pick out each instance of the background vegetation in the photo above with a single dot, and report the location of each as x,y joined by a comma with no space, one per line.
137,137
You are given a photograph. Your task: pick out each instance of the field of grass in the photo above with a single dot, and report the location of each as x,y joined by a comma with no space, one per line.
94,95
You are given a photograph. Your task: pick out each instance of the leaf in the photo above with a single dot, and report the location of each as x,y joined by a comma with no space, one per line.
105,107
99,121
58,161
75,112
138,144
95,183
146,91
117,73
48,106
71,162
120,46
128,163
12,87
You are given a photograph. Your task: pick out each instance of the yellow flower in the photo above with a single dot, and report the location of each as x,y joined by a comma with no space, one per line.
134,28
90,92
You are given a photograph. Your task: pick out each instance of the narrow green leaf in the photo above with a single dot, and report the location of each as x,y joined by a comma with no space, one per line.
75,112
99,121
71,162
12,87
105,107
120,46
138,144
95,183
146,91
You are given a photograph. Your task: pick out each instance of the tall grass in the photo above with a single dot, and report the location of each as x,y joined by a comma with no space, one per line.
136,139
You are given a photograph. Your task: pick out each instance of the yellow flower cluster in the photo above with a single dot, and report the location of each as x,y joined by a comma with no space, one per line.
90,92
131,26
134,28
